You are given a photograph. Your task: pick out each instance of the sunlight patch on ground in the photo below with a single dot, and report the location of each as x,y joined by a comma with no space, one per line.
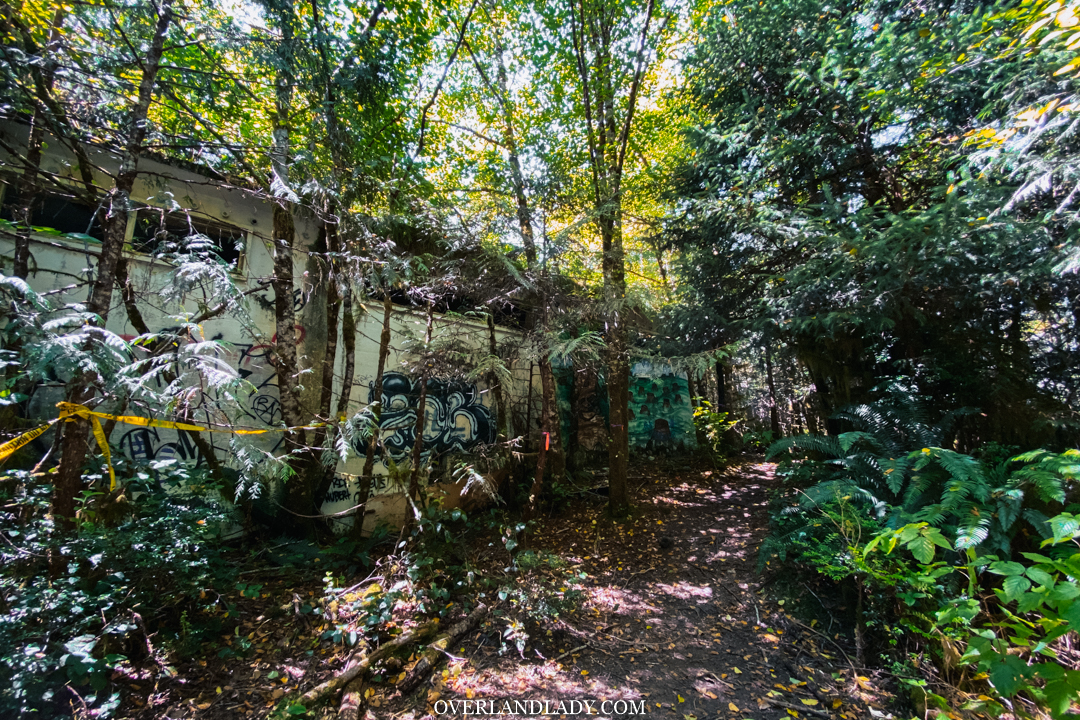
616,600
685,591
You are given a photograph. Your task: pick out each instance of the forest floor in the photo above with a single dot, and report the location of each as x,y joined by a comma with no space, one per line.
673,618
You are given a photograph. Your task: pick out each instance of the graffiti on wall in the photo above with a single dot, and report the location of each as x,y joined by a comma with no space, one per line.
661,417
346,489
455,419
261,408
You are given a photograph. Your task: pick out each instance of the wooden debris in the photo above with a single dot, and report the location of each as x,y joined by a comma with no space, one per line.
320,692
435,652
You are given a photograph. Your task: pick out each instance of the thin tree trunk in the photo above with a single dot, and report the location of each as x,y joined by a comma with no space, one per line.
528,406
421,410
322,475
721,388
524,215
694,389
774,411
607,141
549,418
69,476
29,188
550,440
348,336
284,358
618,367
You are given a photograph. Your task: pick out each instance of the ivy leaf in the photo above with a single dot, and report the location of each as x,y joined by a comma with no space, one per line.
1008,676
1040,577
1016,585
1006,568
922,548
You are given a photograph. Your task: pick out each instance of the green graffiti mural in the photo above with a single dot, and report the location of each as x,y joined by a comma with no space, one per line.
661,417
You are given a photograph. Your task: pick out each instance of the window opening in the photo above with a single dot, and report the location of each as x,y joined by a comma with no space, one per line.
63,214
158,232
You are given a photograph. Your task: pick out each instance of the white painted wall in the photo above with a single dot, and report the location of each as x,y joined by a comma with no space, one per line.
60,266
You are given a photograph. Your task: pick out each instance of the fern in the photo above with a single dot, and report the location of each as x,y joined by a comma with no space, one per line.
892,461
492,365
582,349
826,445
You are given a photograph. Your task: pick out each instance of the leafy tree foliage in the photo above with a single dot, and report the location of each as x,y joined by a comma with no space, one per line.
837,202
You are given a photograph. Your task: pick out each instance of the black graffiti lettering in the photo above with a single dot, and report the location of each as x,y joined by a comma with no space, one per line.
455,418
267,408
337,496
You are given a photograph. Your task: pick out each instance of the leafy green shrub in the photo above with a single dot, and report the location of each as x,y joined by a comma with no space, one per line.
714,426
892,463
75,608
1009,634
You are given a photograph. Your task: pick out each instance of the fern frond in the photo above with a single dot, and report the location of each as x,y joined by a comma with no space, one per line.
827,445
973,529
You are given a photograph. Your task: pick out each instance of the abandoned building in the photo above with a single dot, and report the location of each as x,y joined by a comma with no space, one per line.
175,205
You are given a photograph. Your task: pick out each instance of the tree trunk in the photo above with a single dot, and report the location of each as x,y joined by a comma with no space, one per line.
550,421
524,215
695,400
774,411
550,442
618,366
502,422
29,188
321,476
528,406
721,387
69,476
607,140
299,492
348,336
421,409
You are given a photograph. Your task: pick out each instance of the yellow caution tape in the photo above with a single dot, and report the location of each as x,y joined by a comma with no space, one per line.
8,449
70,410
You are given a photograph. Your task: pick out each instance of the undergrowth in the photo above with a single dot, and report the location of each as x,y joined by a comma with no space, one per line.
985,592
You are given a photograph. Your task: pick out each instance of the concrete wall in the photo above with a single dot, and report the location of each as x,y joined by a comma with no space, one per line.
459,414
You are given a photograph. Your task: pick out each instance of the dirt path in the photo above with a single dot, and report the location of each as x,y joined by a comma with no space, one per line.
674,621
671,623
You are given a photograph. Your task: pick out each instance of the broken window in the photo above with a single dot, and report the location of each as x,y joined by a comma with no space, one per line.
65,215
158,232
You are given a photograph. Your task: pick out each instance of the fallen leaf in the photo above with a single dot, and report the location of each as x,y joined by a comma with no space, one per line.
808,701
732,707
